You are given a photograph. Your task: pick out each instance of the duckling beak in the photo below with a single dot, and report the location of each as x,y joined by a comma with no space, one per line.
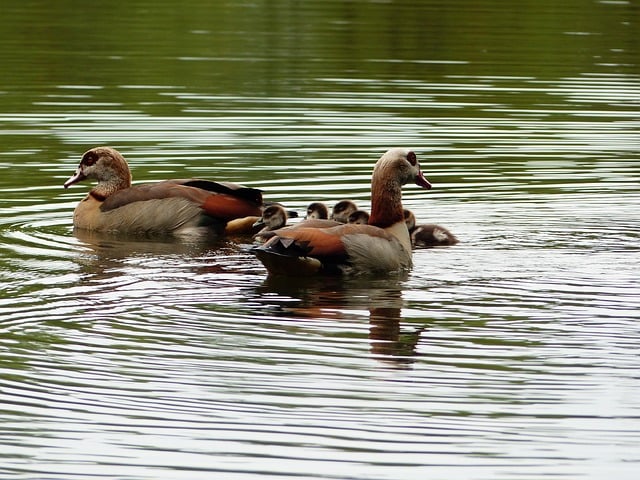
259,222
421,181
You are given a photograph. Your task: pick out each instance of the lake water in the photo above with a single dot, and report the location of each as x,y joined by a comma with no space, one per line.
513,355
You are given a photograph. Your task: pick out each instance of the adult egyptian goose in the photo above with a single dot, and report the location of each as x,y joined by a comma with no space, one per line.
317,210
382,246
342,210
429,234
172,206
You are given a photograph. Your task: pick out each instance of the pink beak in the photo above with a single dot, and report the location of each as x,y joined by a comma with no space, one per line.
75,178
422,182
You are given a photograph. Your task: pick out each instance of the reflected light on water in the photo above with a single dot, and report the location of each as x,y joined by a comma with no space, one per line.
510,355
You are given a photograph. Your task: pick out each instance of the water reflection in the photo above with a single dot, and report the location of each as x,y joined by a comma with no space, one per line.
104,245
379,302
155,358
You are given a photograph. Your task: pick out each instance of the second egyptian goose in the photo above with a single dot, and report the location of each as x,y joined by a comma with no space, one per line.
382,246
170,206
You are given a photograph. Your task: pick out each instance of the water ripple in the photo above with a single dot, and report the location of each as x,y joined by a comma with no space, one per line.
511,354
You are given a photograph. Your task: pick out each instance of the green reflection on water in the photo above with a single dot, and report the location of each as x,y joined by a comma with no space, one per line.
522,102
266,49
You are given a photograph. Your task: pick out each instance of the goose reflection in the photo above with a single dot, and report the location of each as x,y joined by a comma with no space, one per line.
119,246
106,255
114,262
389,341
341,299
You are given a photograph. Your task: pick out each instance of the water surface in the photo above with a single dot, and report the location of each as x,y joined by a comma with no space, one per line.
510,355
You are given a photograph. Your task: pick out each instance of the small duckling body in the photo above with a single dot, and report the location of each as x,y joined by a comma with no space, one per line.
428,234
273,217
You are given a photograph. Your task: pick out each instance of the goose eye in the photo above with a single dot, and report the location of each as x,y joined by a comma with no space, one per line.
412,158
90,158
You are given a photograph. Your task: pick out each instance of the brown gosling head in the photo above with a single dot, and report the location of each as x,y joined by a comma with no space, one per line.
273,217
359,217
342,210
409,219
317,210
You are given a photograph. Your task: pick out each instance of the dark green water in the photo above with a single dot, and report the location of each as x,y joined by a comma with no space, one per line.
512,355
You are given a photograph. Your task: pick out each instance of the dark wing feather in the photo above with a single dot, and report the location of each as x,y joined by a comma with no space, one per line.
246,193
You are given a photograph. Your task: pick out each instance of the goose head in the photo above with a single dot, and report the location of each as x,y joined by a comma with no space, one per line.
397,167
107,166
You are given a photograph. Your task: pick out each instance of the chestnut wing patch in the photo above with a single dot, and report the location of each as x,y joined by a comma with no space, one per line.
317,242
217,200
228,207
327,242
